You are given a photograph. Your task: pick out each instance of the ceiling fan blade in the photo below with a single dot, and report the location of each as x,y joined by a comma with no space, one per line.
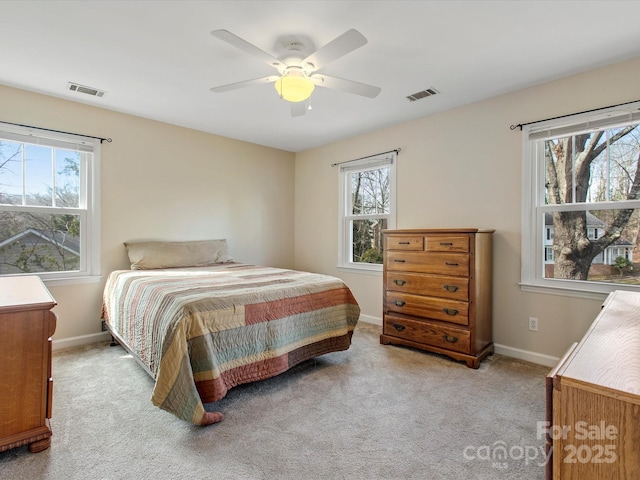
298,109
246,83
231,39
346,85
336,48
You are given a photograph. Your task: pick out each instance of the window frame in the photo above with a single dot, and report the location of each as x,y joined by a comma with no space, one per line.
89,199
533,199
373,162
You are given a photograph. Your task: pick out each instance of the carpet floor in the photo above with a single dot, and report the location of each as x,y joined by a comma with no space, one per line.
371,412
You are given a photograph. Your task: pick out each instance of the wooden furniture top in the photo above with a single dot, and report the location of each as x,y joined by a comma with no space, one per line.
439,230
19,293
609,354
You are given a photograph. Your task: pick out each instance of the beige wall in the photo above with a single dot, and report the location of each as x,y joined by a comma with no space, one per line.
462,168
165,182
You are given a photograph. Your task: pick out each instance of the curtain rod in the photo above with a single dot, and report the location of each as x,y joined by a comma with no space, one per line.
108,140
520,125
397,150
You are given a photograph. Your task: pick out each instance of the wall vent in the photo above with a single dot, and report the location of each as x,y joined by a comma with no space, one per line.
422,94
75,87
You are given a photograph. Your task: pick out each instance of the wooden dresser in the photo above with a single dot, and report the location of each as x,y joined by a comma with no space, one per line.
26,387
593,399
437,292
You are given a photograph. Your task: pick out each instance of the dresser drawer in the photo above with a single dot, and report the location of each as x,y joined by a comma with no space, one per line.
451,338
456,288
446,243
415,242
452,311
456,264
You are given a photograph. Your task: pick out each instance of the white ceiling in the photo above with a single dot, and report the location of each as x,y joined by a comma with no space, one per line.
158,60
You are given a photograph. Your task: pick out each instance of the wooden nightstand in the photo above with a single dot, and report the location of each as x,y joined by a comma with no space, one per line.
26,387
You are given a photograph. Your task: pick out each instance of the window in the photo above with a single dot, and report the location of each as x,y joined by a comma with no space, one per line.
548,254
581,202
49,215
367,207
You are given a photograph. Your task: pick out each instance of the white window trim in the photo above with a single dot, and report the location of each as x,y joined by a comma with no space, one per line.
532,260
344,238
89,271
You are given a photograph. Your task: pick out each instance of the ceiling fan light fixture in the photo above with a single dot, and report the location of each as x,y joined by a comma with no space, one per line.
294,88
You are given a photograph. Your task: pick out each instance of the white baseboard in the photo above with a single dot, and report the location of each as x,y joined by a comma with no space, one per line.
81,340
370,319
526,355
533,357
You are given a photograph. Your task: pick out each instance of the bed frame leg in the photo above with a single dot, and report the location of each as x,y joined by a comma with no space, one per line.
114,342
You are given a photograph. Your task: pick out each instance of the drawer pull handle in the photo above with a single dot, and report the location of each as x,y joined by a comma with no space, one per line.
399,282
450,311
451,264
451,288
399,260
404,243
446,244
400,303
450,338
398,327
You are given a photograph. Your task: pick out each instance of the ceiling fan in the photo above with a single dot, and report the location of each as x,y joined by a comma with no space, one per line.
297,74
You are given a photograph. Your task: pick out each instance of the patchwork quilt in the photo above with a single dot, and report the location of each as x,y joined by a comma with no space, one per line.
203,330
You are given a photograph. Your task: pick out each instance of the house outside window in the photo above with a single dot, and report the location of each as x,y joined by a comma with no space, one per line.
367,207
548,255
581,202
49,209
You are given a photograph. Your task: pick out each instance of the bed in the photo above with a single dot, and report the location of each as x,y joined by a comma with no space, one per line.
200,330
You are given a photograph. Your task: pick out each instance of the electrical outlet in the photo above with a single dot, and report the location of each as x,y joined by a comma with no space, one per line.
533,324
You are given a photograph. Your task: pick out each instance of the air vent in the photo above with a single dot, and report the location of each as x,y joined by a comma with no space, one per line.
74,87
422,94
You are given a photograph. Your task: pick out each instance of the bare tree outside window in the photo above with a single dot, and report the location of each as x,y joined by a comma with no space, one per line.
367,207
597,174
370,196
